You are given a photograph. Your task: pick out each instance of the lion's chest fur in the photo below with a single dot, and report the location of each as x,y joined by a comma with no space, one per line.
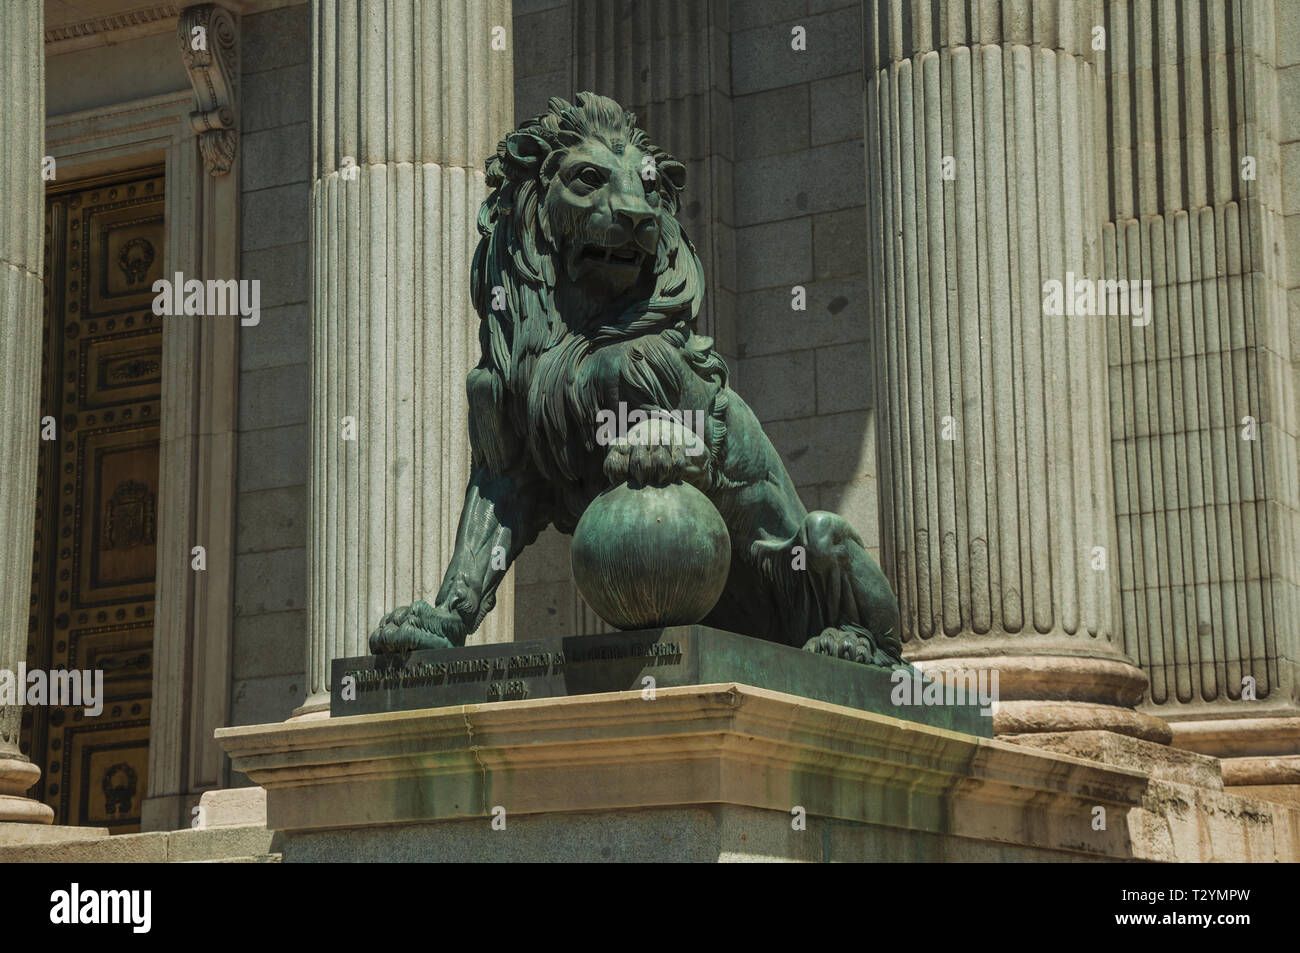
648,372
576,386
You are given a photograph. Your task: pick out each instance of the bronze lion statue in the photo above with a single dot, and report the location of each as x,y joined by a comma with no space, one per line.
588,291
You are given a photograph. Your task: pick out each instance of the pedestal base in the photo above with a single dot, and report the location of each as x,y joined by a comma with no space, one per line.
717,833
719,772
646,660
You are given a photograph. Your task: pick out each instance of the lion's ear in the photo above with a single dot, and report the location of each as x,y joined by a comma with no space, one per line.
674,172
526,150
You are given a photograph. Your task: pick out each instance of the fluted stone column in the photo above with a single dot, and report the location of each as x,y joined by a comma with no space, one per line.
410,99
22,221
1207,452
998,520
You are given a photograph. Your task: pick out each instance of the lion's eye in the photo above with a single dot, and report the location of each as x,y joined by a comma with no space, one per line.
591,176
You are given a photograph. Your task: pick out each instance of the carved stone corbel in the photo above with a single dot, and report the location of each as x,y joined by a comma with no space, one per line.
207,37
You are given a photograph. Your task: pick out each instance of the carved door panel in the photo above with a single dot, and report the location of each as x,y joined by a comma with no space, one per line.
97,491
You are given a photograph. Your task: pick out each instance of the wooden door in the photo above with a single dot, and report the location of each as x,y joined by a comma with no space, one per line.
97,494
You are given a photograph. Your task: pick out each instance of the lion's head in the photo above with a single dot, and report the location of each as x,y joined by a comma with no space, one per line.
581,229
580,247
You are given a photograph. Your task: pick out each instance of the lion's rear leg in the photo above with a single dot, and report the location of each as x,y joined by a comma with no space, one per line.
832,597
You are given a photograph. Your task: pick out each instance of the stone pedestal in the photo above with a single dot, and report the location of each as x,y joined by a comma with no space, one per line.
22,217
411,99
721,772
647,661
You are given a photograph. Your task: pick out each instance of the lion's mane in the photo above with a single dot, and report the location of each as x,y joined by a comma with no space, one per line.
521,393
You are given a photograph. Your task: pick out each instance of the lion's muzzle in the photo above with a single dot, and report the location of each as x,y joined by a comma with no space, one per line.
642,226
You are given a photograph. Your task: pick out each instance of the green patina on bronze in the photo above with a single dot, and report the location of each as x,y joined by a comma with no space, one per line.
588,290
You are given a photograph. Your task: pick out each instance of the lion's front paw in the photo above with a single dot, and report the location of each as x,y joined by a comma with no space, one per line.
417,626
851,642
657,452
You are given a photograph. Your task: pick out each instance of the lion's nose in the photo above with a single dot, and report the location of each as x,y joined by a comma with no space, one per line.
643,227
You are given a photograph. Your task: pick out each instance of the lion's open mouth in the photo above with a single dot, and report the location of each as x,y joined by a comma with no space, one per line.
627,255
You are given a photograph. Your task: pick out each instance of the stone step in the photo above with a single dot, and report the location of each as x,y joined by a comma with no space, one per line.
80,845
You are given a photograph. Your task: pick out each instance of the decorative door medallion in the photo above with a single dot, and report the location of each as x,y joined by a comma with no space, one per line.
97,494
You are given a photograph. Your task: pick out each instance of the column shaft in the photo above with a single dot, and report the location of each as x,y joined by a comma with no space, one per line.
1205,455
22,219
998,518
410,98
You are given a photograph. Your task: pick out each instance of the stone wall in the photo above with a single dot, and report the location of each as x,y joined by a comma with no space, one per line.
543,36
799,193
270,637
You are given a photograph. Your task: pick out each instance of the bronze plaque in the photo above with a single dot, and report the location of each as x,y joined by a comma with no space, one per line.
97,495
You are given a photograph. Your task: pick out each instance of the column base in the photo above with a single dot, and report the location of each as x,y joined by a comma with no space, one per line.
316,706
1024,717
17,775
1228,737
1053,693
